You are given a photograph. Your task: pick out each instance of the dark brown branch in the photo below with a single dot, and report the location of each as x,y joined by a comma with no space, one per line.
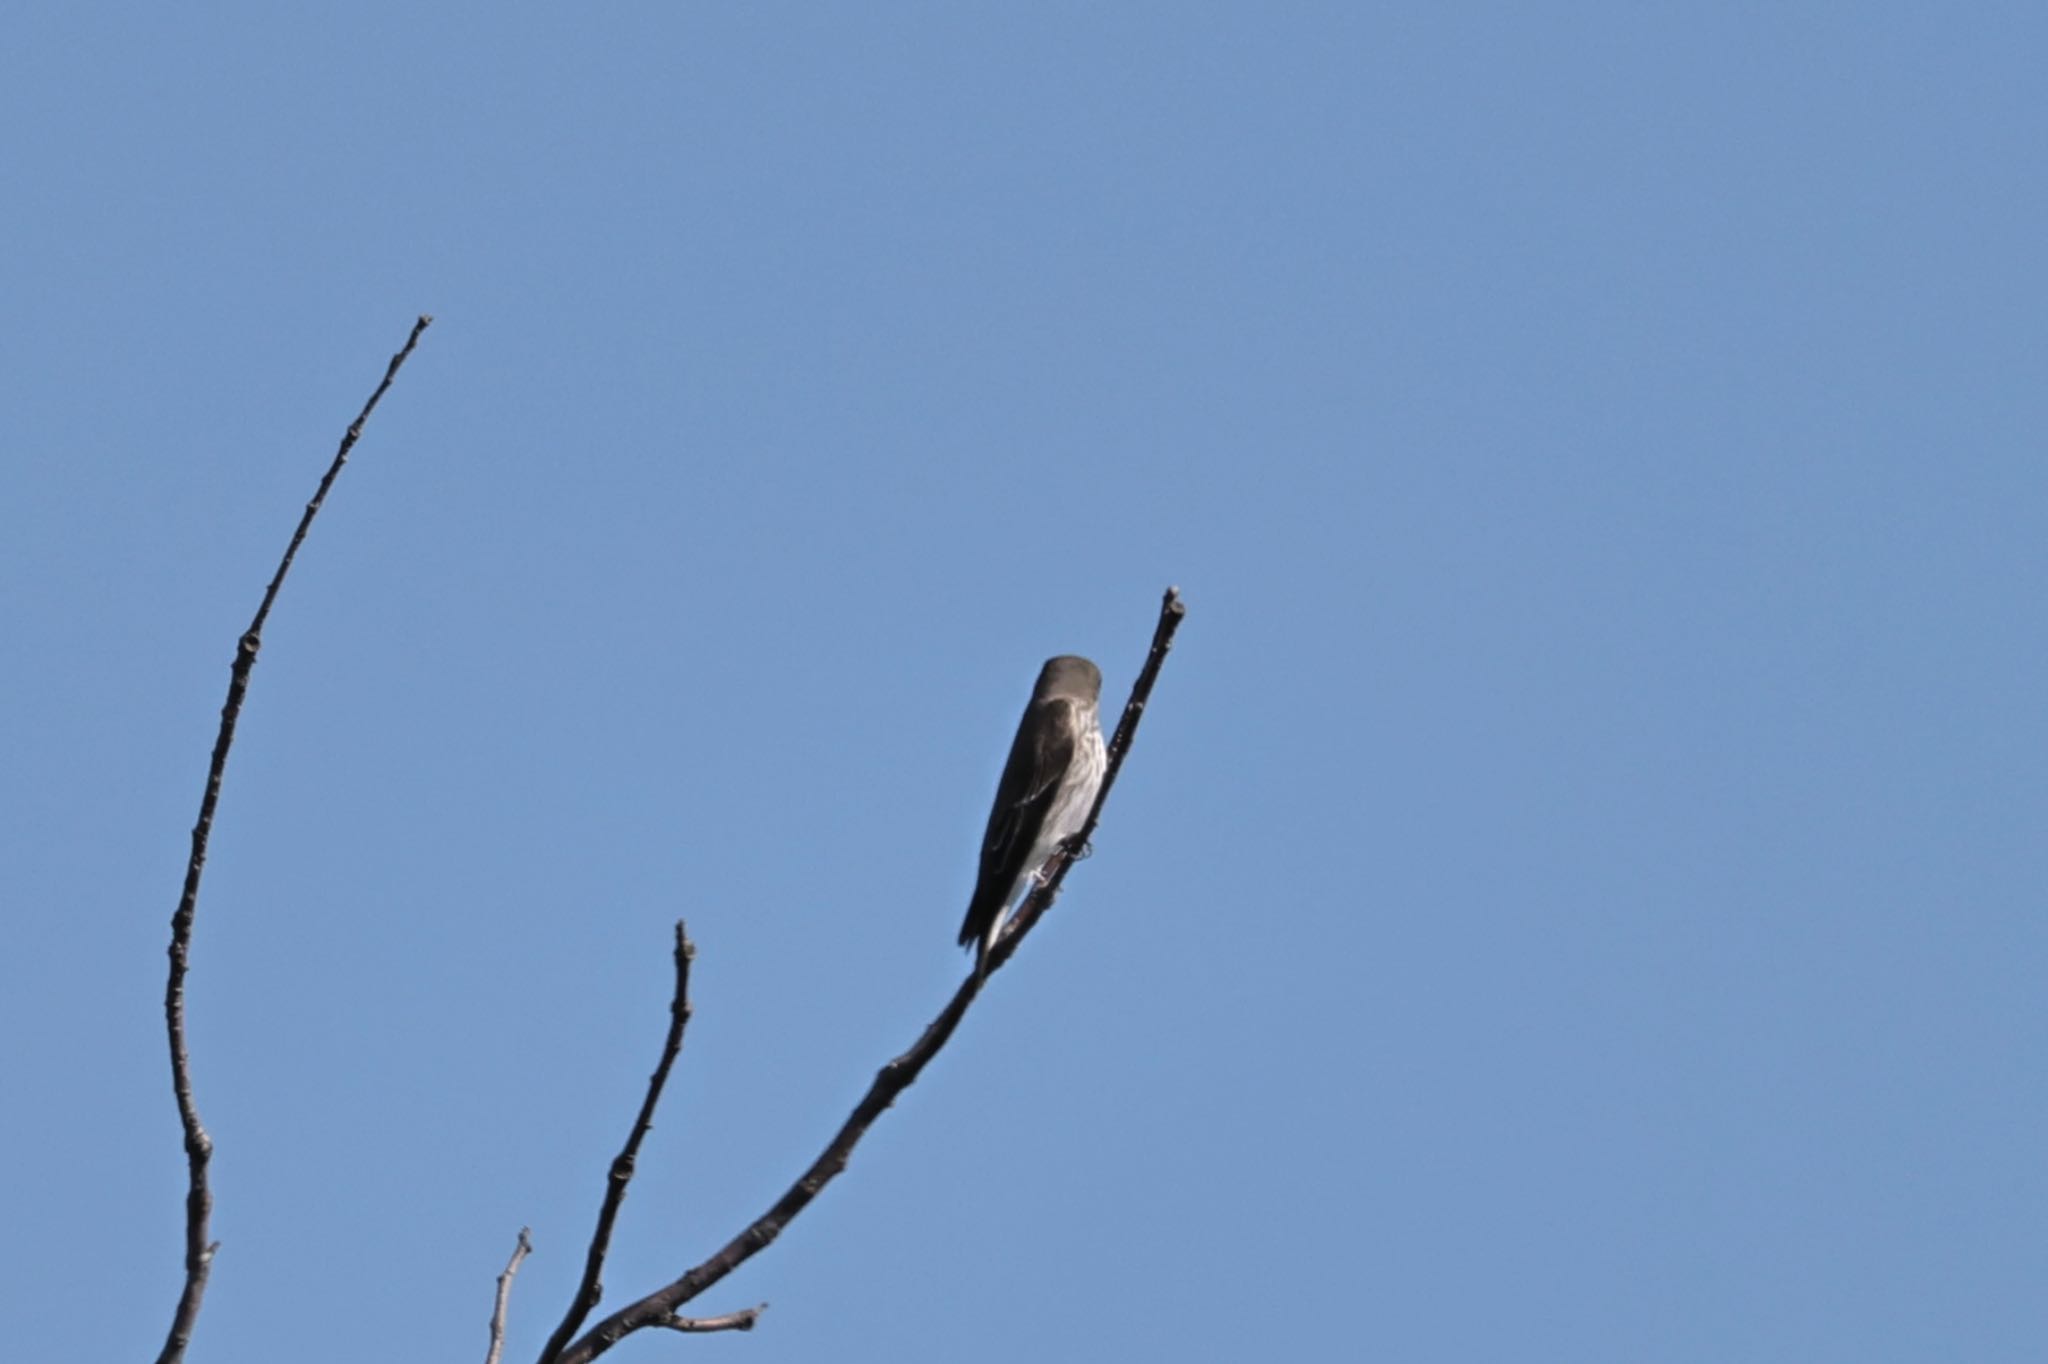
592,1288
198,1145
731,1321
659,1307
519,1252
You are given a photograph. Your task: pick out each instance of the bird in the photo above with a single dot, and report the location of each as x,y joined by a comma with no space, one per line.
1047,789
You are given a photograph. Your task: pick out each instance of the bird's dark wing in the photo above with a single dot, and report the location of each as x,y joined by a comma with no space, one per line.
1040,757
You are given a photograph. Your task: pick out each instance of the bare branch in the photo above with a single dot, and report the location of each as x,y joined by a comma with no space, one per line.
519,1252
658,1308
731,1321
198,1145
591,1290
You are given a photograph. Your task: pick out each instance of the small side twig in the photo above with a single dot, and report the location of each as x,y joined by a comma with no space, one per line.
519,1252
591,1289
658,1309
732,1321
198,1145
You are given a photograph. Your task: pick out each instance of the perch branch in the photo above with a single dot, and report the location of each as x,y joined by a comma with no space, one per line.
519,1252
592,1288
658,1309
198,1145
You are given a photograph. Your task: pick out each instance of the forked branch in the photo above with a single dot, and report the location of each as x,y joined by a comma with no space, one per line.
658,1309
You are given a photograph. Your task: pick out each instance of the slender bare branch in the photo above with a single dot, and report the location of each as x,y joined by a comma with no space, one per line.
199,1250
519,1252
732,1321
658,1308
591,1290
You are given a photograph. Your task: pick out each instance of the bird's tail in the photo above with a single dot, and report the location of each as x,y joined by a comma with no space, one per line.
987,944
984,916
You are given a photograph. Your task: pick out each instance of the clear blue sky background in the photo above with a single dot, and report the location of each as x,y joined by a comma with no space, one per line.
1578,893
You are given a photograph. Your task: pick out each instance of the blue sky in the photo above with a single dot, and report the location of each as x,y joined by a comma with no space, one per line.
1577,895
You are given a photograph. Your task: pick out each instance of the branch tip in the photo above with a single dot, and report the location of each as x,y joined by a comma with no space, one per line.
504,1295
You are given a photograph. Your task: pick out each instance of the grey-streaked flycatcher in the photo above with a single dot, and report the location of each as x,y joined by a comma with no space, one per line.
1048,787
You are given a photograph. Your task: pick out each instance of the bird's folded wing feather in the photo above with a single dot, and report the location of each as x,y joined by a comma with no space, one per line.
1040,758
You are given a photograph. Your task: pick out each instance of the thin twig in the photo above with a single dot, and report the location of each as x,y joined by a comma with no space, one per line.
732,1321
658,1308
198,1145
592,1288
519,1252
